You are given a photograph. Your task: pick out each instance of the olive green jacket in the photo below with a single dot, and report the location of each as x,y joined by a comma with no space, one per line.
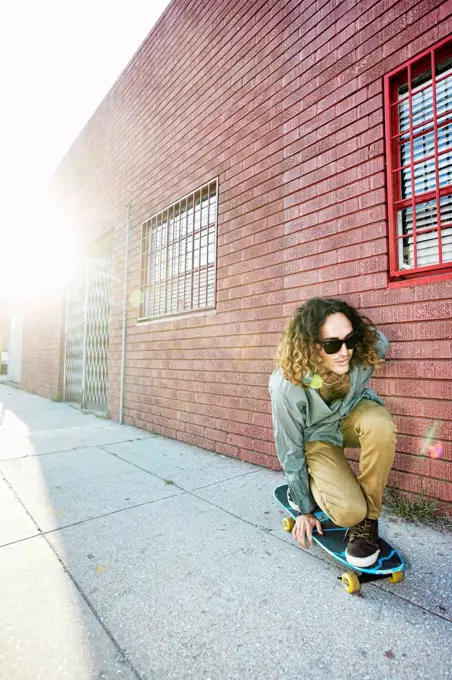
300,415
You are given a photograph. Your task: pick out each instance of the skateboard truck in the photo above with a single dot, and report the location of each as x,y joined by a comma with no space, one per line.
351,581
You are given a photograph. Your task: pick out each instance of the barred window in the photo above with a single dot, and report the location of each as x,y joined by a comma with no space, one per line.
178,256
418,107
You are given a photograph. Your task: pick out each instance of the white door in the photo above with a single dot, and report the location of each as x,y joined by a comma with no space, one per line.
15,348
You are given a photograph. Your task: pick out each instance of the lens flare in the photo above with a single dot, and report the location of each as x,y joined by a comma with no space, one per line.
431,447
136,298
436,450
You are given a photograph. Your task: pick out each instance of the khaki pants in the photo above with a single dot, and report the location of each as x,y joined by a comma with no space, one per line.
347,499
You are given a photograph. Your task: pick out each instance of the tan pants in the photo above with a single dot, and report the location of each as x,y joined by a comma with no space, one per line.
347,499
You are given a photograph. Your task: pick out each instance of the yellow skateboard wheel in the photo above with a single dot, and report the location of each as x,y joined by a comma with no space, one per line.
395,577
350,582
288,524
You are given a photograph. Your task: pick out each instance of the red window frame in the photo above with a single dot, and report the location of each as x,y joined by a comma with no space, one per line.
404,75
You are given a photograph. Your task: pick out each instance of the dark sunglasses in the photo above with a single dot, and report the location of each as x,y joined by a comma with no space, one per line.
333,346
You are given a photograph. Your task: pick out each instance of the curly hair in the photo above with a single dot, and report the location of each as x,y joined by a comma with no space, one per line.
297,354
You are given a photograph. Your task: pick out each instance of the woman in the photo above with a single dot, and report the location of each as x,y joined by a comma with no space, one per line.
321,403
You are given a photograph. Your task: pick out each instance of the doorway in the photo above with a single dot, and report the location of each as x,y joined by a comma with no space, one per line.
87,335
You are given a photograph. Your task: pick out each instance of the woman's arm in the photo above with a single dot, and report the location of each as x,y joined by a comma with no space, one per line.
288,425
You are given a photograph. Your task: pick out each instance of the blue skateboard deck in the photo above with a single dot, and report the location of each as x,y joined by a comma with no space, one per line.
390,564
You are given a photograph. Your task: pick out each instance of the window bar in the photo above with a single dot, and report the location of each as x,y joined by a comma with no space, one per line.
425,124
156,269
179,265
178,247
176,258
424,159
140,285
152,239
413,198
185,250
147,270
193,252
165,271
160,264
140,275
200,248
155,301
435,142
215,255
169,229
426,230
169,237
173,248
147,273
391,119
142,299
163,222
153,257
207,244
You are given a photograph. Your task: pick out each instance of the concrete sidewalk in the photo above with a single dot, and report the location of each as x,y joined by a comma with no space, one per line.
128,555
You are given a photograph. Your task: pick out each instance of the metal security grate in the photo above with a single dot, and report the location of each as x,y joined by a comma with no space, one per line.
75,333
178,256
419,149
97,335
87,335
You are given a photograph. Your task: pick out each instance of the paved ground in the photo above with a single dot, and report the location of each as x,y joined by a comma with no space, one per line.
128,555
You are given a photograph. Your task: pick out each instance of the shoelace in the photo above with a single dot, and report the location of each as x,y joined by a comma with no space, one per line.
361,530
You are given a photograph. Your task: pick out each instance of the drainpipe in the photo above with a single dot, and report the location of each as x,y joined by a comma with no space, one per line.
124,320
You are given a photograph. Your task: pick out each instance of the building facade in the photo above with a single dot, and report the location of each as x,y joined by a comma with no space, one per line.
250,156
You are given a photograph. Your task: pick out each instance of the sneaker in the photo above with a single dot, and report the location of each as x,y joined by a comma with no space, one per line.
363,545
293,505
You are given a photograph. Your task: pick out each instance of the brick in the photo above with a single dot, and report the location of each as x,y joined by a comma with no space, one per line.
42,349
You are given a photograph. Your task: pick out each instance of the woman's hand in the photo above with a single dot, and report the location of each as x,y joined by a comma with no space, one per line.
304,526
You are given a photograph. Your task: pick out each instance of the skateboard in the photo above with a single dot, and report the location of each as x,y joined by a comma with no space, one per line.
390,564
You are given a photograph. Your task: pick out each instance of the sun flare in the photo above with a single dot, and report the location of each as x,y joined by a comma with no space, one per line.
38,254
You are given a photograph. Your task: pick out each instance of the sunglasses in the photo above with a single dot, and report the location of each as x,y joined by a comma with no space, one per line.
333,346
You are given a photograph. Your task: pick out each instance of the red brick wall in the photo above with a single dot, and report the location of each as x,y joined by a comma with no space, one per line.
43,341
283,102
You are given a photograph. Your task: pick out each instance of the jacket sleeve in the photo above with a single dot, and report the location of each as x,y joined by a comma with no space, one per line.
382,344
288,425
